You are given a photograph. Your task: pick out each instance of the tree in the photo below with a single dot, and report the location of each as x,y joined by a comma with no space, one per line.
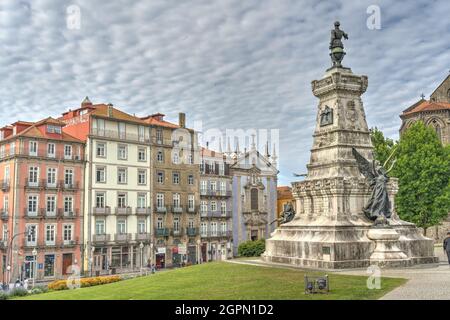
423,170
383,147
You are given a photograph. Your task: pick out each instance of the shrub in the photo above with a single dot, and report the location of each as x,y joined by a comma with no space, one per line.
252,248
3,296
84,282
18,292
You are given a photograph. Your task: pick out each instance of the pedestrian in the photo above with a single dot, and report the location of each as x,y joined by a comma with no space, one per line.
447,246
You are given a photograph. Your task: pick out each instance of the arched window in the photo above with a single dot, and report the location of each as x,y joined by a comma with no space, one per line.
437,128
254,199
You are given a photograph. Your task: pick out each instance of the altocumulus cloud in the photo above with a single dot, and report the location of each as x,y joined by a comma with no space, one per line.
231,64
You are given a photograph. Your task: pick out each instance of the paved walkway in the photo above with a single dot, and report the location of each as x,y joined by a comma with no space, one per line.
430,282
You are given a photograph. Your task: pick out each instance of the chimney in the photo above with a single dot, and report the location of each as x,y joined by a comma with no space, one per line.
182,120
110,110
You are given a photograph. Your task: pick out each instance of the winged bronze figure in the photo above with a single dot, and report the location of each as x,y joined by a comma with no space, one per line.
379,204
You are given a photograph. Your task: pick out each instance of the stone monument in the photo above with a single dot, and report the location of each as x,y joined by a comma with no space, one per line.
331,228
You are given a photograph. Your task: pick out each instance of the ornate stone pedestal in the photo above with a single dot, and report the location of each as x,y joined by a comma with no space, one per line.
330,230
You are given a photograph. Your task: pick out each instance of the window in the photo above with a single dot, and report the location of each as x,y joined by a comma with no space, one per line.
33,176
67,152
160,156
51,150
141,226
223,207
50,230
101,149
33,148
191,223
254,199
176,224
142,177
5,234
222,168
223,187
191,180
224,227
214,228
122,152
160,223
99,127
191,201
51,177
100,174
160,177
67,233
213,206
204,206
121,226
190,158
159,136
142,154
33,201
31,234
122,200
100,227
68,205
176,178
203,186
6,203
68,177
142,201
53,129
100,200
213,186
176,200
12,148
202,167
175,157
49,265
122,130
121,175
160,200
2,150
7,173
141,133
204,229
51,205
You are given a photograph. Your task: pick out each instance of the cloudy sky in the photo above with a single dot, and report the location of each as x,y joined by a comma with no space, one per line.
232,64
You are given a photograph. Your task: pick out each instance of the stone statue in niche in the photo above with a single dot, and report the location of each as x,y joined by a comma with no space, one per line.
326,117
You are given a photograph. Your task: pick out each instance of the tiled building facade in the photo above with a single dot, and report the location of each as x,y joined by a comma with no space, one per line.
215,206
41,173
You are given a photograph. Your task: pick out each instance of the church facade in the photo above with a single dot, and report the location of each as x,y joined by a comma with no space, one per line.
434,112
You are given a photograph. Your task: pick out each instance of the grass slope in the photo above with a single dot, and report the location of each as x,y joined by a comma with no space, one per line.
224,281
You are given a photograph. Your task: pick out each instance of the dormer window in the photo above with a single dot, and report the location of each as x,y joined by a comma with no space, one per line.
53,129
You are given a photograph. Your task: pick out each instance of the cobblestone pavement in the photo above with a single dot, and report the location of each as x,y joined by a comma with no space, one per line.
426,282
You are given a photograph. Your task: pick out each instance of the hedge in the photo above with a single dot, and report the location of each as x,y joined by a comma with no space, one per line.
252,248
84,282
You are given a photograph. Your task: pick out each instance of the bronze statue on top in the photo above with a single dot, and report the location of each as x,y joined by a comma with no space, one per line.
336,46
287,215
378,208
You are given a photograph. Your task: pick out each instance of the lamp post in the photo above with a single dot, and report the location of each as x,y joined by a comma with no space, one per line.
141,246
199,256
91,260
34,253
151,254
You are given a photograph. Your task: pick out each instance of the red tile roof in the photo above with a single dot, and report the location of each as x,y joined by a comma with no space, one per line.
284,192
424,105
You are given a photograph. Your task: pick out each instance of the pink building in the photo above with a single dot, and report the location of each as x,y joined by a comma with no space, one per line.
41,185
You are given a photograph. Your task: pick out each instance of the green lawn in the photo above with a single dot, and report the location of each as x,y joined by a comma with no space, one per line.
227,281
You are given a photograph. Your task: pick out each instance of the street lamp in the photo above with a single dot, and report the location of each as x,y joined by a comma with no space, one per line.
141,246
151,255
91,260
34,253
199,257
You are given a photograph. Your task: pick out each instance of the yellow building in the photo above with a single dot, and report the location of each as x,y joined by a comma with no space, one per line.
284,196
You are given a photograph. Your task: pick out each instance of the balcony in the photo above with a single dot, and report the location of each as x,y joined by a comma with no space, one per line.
34,214
123,211
162,209
191,232
143,211
142,237
216,214
217,234
4,185
68,214
177,209
113,134
192,210
34,184
101,211
49,214
163,142
101,238
122,237
4,215
163,232
177,233
215,193
41,153
68,186
49,185
69,243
